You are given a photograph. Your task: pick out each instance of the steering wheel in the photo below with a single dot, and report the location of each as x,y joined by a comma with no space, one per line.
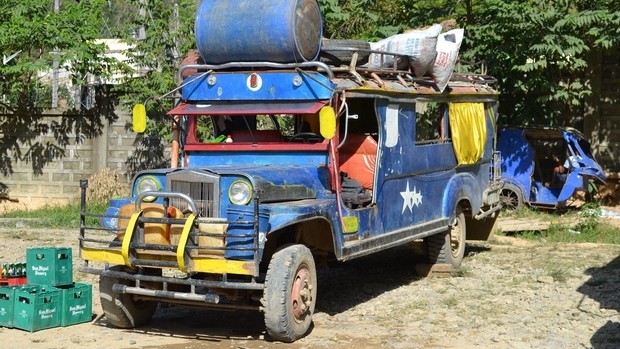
306,137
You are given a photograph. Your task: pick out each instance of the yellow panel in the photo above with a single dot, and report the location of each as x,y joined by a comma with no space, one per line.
327,117
351,224
139,118
206,265
221,266
107,256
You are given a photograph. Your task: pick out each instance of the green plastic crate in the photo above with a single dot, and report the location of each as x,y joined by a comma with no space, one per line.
76,302
36,308
49,266
7,296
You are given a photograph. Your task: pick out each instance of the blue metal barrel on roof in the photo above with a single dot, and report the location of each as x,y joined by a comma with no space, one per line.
282,31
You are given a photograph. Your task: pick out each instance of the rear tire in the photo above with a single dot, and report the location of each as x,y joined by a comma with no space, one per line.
289,297
122,310
449,247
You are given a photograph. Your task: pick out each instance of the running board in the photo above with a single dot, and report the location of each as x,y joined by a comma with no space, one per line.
354,249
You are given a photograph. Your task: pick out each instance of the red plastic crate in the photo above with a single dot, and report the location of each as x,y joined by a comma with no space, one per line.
13,281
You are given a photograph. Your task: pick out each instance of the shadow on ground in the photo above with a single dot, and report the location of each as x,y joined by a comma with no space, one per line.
604,288
346,285
341,286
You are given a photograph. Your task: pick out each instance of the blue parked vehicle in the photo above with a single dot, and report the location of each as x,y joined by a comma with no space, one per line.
546,166
286,164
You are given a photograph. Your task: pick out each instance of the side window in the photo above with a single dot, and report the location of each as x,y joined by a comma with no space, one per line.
366,122
431,123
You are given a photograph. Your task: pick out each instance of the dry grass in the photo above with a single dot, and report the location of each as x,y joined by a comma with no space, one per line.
105,185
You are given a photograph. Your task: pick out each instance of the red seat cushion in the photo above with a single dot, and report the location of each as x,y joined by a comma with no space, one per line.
358,156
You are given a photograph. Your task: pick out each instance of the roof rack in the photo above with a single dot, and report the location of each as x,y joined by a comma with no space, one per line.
360,74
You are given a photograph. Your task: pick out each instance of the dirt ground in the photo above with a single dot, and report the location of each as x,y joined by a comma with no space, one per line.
509,293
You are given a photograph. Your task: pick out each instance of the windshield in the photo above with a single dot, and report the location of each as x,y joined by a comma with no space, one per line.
254,128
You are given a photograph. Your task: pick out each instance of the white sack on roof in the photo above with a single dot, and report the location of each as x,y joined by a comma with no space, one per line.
418,45
448,45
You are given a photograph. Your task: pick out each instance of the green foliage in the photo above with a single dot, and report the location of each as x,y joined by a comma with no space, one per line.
589,227
540,53
168,30
67,216
40,36
539,50
362,19
590,213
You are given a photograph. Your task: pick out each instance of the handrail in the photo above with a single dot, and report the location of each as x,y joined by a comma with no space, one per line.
229,65
189,200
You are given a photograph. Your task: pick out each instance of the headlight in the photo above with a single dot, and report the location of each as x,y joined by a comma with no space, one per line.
240,192
148,183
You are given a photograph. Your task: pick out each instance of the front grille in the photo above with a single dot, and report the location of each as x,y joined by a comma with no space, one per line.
203,188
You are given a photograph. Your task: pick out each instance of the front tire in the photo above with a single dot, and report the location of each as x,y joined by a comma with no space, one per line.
289,297
449,247
121,309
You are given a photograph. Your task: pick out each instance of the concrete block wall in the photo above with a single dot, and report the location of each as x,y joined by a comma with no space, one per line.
59,182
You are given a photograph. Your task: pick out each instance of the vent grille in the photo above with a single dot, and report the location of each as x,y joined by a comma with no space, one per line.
202,188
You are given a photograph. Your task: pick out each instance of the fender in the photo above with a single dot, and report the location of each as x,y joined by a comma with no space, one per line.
518,185
463,186
282,216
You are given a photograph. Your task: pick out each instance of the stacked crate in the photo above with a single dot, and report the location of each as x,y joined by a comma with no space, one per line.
50,298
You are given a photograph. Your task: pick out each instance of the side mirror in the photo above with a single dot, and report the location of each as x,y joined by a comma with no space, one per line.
327,120
139,118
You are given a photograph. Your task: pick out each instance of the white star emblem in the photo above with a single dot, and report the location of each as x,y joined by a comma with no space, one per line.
411,198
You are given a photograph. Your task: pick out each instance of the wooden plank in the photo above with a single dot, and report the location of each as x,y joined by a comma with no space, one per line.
521,224
509,224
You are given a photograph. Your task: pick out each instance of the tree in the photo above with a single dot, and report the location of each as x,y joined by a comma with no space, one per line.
168,28
39,36
538,51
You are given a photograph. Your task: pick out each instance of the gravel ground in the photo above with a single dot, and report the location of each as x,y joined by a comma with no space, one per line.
509,293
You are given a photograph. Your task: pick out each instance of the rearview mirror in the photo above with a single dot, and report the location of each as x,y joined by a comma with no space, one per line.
327,120
139,118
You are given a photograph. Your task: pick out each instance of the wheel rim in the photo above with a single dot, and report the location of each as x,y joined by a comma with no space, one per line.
456,239
301,294
510,200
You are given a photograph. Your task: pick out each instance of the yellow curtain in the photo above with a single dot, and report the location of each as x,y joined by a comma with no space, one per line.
469,131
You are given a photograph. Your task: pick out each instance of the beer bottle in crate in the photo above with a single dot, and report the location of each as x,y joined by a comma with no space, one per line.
11,270
18,270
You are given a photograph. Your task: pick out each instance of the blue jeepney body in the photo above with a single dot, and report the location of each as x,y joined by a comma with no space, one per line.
257,173
527,163
415,188
283,161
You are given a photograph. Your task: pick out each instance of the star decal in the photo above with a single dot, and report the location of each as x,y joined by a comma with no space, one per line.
411,198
